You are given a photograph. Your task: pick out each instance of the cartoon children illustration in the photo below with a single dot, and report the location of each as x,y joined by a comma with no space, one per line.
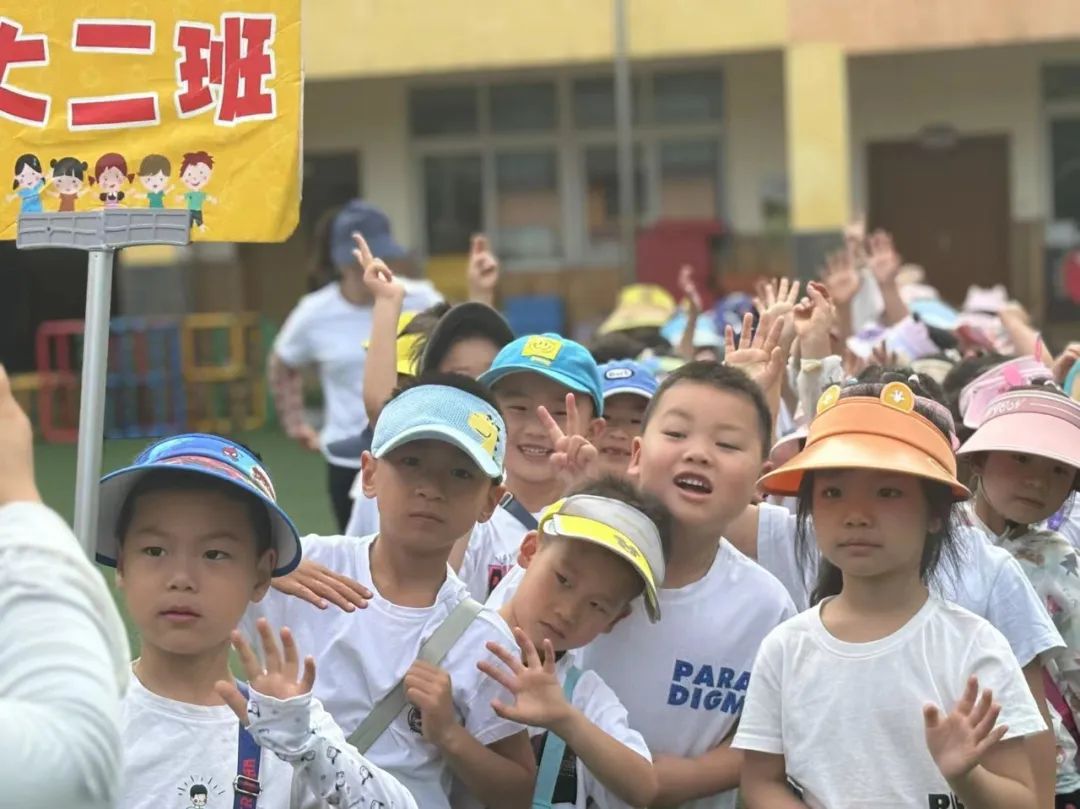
110,172
28,184
199,795
195,173
68,177
154,171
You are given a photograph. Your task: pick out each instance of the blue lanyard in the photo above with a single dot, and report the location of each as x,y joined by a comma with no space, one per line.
554,747
246,787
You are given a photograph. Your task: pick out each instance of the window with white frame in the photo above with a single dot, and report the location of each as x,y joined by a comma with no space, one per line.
533,162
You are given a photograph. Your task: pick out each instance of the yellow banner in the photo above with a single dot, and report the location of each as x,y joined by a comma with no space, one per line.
133,103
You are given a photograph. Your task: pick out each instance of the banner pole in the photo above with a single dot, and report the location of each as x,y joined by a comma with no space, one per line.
92,404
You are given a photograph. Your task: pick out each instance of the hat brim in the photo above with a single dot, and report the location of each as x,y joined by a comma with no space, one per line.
1026,433
635,317
618,391
859,451
486,463
114,490
496,374
478,317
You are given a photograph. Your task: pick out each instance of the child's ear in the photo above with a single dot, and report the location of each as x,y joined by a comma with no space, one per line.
264,570
596,428
368,465
625,612
494,497
633,471
529,546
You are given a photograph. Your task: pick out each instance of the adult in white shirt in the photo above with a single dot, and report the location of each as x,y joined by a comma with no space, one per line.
63,652
328,328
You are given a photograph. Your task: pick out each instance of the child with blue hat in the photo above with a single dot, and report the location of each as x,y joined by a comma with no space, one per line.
195,533
534,372
628,388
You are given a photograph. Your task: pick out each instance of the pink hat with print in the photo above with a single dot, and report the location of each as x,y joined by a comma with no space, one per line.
977,395
1034,422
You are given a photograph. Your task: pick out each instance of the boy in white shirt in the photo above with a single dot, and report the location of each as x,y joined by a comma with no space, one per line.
435,469
628,387
541,370
592,555
706,435
195,533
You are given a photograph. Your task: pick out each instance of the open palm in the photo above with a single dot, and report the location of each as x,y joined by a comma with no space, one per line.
538,696
958,741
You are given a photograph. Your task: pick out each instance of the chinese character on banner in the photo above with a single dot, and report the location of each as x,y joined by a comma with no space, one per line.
17,50
231,71
126,104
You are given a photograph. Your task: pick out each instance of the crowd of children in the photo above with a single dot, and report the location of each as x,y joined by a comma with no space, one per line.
814,549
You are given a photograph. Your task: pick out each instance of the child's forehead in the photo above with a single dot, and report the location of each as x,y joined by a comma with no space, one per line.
625,402
433,448
532,385
701,402
589,559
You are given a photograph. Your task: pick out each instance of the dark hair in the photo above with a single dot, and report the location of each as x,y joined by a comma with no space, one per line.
921,384
68,167
184,480
958,378
22,162
194,159
940,545
320,269
619,488
198,789
618,345
424,324
722,378
459,381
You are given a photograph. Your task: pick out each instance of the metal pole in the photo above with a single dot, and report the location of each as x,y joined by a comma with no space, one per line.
92,405
624,146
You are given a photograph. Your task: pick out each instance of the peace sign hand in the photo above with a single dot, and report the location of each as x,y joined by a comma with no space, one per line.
278,680
377,276
574,458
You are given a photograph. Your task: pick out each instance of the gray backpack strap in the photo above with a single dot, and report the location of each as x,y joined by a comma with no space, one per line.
433,650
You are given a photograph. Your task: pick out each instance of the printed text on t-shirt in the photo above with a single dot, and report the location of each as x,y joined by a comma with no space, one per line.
709,688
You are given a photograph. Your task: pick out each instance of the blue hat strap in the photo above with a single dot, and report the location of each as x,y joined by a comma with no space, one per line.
554,748
246,787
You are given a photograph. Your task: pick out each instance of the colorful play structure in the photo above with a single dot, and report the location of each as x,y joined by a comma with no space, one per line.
202,372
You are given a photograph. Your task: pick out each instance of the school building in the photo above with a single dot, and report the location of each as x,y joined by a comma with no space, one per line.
759,128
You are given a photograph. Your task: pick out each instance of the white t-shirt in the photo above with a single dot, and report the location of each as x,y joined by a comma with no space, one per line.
847,717
986,580
64,663
364,654
364,517
492,550
326,329
683,680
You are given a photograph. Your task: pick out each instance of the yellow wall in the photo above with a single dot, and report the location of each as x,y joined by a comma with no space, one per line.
400,37
817,145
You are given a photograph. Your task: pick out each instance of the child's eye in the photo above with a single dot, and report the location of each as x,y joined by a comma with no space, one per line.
516,408
410,460
216,556
565,582
725,445
636,422
831,492
463,474
674,434
596,605
889,492
1020,458
1064,470
153,551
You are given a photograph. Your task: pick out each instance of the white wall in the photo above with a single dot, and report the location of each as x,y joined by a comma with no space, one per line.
372,117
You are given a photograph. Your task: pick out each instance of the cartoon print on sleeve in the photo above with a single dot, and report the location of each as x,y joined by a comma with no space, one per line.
68,182
154,173
28,184
195,174
111,173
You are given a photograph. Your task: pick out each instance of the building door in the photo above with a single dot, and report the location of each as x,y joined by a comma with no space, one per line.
947,206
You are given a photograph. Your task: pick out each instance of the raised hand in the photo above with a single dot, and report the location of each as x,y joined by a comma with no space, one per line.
758,354
884,261
841,278
881,355
855,239
690,290
482,271
318,585
574,457
814,319
539,700
377,276
16,449
958,740
777,301
430,689
275,677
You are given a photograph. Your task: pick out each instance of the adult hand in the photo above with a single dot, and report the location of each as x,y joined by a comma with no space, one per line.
318,585
16,449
